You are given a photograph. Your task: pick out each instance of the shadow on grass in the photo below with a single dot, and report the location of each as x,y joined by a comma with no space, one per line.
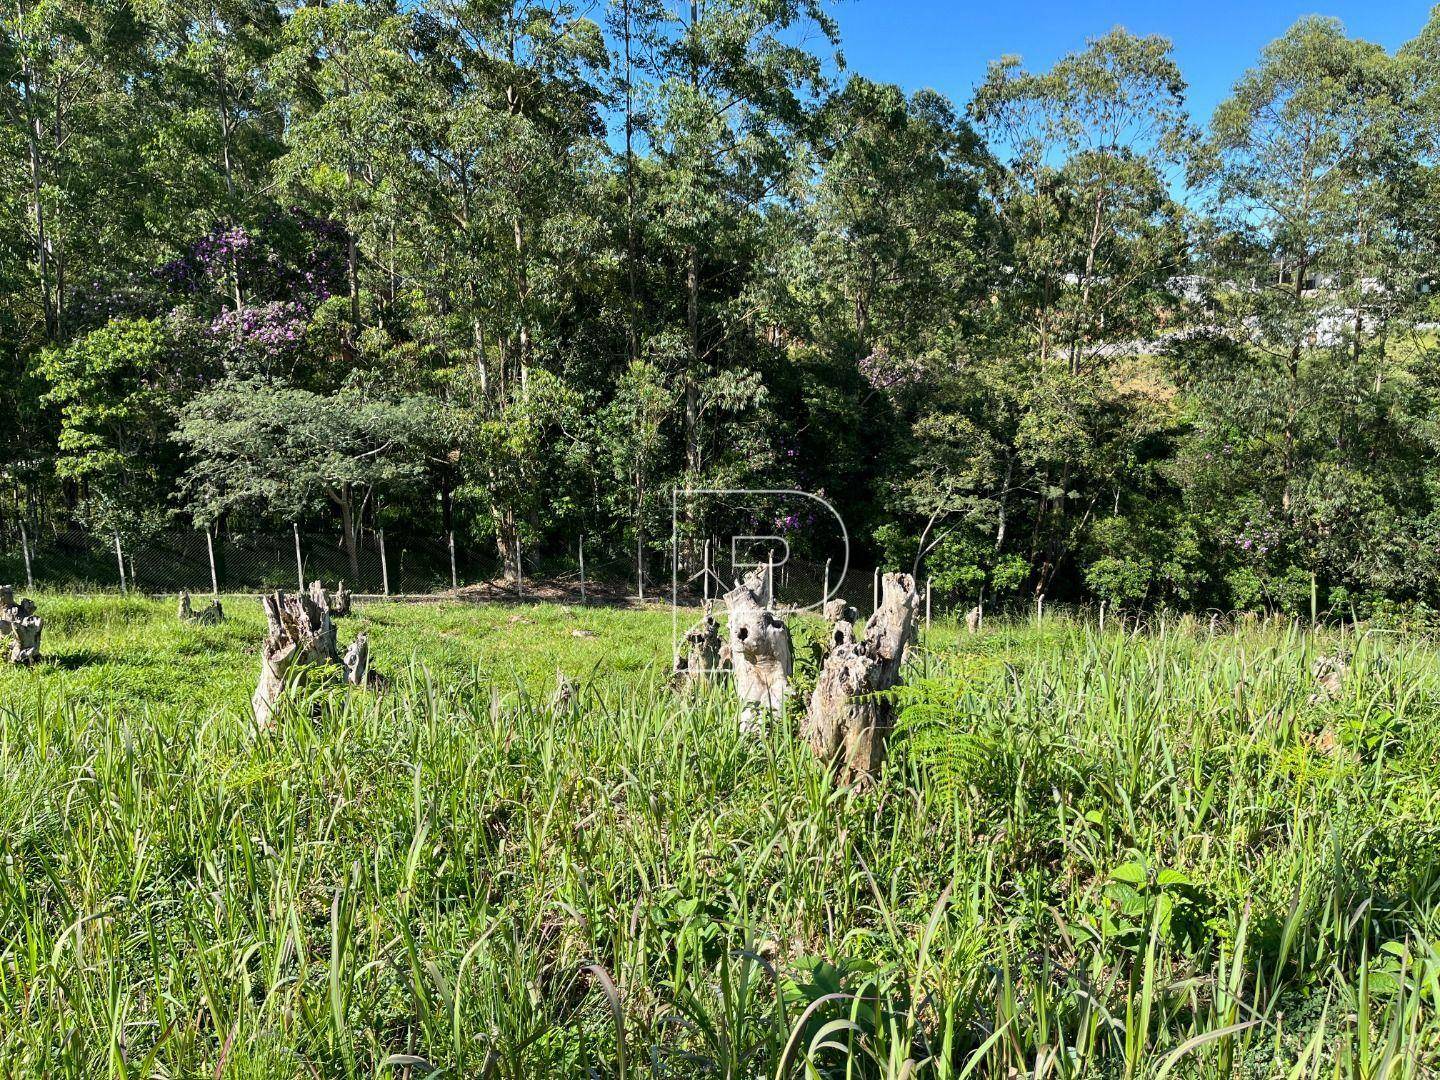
76,659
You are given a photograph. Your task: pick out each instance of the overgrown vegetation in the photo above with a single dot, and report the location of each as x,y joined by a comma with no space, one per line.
1128,854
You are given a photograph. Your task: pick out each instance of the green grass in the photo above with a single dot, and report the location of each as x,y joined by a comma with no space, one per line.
1090,855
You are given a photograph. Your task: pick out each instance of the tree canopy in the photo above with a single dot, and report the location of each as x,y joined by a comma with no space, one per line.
518,269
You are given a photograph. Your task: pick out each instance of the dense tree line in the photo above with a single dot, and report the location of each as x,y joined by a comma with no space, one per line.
518,269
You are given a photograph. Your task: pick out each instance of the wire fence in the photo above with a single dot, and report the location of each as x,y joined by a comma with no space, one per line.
592,570
588,570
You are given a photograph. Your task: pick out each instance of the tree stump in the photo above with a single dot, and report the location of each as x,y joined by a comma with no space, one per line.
841,617
337,605
21,625
209,616
849,718
301,634
760,654
972,619
702,656
356,661
566,691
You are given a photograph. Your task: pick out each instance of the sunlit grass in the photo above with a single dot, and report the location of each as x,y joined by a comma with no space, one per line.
1117,855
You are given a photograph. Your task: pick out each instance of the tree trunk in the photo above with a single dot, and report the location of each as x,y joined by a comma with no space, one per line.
850,717
347,531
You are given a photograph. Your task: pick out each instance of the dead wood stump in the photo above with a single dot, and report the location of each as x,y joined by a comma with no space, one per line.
760,650
21,625
1329,672
972,619
841,617
338,604
302,634
850,716
207,616
702,657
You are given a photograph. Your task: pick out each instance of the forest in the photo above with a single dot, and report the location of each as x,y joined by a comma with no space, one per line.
517,270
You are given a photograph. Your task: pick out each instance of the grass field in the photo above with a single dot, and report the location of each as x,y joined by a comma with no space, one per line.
1091,855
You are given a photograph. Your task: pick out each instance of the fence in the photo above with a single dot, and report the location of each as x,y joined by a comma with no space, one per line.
594,569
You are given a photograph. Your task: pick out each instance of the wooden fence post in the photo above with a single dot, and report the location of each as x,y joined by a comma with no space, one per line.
299,562
120,561
25,550
384,566
214,577
583,598
454,574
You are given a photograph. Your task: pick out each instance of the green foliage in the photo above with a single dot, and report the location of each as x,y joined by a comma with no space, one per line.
1050,340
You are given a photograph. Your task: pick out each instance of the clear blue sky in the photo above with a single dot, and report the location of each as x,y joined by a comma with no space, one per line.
945,44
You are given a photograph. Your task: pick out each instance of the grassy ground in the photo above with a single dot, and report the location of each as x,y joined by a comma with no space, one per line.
1092,855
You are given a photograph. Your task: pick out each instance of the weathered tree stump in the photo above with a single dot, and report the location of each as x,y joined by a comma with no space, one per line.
356,661
302,634
1329,672
566,691
702,657
21,625
850,717
337,605
760,652
973,618
207,616
841,617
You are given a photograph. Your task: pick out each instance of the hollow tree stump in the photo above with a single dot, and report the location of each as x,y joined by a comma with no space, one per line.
841,617
21,625
760,650
301,634
850,718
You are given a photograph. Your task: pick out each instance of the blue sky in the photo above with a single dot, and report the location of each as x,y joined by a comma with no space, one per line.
945,45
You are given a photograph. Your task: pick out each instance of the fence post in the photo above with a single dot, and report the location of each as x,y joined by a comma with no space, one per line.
214,577
299,562
384,567
770,578
705,570
454,576
120,560
583,598
927,605
875,591
1102,616
639,567
825,596
25,550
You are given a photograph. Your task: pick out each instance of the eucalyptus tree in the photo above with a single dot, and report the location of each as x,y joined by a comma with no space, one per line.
336,73
1093,242
1312,164
730,89
505,108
